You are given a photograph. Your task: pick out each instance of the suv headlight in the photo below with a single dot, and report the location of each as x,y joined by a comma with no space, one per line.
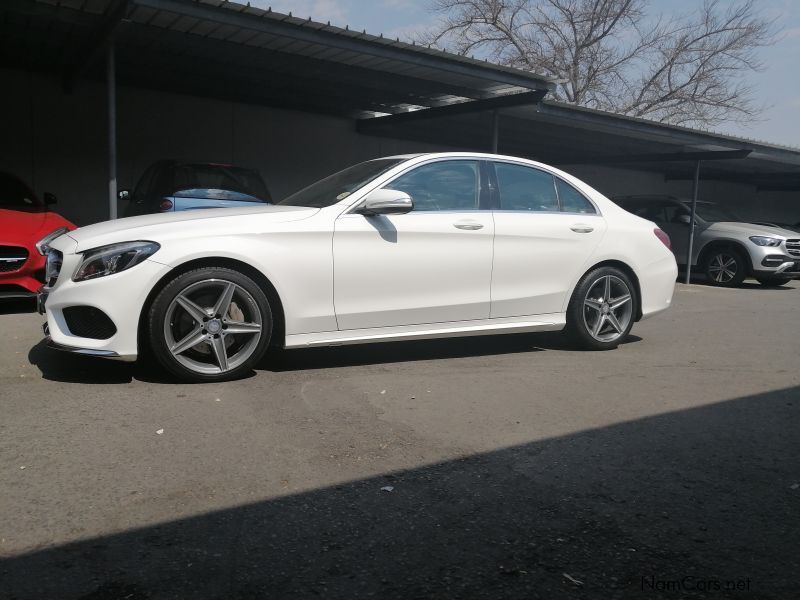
762,240
107,260
43,245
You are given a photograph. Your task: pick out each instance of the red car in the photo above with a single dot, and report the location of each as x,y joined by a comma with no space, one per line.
26,226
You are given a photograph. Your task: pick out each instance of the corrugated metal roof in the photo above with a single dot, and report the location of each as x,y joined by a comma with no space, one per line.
230,50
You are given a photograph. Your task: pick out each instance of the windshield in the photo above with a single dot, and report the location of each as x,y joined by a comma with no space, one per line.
714,213
339,186
219,181
15,193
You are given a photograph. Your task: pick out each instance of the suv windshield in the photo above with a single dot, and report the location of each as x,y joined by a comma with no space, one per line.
15,193
339,186
713,213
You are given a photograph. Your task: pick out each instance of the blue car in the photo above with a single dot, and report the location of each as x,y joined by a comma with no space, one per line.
169,185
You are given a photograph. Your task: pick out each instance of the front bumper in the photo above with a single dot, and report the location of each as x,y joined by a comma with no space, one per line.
120,296
789,269
75,350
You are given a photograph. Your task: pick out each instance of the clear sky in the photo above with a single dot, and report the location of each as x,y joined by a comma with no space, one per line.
777,87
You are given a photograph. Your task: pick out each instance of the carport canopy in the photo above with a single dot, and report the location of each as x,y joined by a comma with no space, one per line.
235,52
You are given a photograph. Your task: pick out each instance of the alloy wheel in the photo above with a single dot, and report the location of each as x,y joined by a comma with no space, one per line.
722,267
607,308
212,326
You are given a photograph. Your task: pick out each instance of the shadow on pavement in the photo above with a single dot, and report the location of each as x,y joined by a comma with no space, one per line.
417,350
72,368
680,505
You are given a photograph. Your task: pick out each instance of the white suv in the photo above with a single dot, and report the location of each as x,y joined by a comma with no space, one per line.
726,249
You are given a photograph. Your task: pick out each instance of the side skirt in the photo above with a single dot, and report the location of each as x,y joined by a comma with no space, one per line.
548,322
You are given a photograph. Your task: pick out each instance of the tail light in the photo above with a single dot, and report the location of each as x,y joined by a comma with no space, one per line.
663,237
165,205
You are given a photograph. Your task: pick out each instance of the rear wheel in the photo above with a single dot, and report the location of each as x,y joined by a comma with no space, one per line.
725,267
602,309
210,324
772,280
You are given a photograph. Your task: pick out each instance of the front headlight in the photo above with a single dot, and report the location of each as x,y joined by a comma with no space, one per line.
107,260
762,240
43,245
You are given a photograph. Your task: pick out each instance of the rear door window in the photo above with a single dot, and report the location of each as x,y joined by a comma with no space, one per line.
522,188
572,200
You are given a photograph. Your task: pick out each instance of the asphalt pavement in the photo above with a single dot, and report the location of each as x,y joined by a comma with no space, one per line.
494,467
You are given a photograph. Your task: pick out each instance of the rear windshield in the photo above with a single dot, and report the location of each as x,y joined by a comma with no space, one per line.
15,193
220,181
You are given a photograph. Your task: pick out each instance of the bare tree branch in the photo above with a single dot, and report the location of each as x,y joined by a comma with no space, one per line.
610,54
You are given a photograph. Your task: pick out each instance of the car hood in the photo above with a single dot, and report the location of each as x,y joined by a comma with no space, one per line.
748,229
26,226
182,224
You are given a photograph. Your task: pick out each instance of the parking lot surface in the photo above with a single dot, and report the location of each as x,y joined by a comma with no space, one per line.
498,467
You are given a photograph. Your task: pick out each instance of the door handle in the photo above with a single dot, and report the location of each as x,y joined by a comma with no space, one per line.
468,225
581,228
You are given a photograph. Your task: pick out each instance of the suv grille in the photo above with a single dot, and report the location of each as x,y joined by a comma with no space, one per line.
89,322
793,247
12,258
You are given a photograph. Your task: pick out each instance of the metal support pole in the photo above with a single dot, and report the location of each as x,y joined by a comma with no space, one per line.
495,130
111,85
695,187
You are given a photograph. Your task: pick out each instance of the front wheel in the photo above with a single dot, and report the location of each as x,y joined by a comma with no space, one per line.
725,267
602,309
210,324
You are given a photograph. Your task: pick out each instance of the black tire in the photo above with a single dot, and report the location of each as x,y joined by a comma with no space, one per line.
725,267
220,353
581,319
772,280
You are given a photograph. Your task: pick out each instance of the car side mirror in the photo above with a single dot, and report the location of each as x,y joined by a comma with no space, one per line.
49,198
124,194
386,202
684,219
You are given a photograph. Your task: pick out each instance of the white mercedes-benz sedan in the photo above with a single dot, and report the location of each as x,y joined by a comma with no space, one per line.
397,248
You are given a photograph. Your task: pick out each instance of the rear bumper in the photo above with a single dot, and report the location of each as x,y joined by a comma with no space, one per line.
657,285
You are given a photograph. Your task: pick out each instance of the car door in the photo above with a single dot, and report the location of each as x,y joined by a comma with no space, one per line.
431,265
545,233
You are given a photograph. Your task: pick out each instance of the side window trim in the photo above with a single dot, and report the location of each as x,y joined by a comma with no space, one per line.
585,197
485,186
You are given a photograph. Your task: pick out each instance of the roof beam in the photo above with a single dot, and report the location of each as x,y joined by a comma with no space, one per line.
660,157
621,125
404,89
378,124
417,57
